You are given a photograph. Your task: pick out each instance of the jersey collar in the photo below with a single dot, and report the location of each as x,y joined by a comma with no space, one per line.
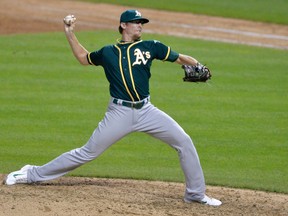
120,42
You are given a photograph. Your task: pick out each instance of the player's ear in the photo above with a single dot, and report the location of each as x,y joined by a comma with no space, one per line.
123,25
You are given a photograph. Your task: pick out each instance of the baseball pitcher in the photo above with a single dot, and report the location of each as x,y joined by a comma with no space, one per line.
127,68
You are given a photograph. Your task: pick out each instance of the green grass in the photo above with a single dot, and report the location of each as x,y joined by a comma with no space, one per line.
256,10
238,121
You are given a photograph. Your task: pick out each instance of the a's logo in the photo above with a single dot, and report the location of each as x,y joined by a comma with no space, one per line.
137,13
141,57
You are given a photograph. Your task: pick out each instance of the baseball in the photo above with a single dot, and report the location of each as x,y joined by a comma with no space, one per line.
69,20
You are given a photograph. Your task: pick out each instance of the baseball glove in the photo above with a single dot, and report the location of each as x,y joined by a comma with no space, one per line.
198,73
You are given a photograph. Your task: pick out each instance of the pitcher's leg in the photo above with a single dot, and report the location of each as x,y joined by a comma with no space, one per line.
163,127
113,127
67,161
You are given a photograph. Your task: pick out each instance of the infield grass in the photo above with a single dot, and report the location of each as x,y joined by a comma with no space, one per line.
238,121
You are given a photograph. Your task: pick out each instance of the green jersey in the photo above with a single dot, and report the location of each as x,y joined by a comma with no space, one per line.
127,66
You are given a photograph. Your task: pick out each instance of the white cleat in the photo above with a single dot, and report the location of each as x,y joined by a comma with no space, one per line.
18,177
206,201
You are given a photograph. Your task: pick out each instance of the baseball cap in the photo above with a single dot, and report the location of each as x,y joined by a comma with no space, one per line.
131,15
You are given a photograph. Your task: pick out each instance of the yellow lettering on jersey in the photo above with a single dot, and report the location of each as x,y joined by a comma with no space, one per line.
130,69
140,57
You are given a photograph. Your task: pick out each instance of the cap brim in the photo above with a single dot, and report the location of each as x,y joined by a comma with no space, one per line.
143,20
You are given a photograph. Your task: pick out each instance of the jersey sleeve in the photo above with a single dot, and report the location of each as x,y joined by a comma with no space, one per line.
95,57
165,53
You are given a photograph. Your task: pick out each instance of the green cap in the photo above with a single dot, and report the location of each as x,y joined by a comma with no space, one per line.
131,15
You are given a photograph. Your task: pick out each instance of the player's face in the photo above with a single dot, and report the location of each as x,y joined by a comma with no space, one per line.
134,29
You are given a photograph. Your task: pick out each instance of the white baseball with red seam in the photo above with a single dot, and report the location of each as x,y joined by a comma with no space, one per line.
69,19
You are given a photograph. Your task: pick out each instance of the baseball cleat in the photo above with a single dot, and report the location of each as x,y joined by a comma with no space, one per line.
206,201
18,177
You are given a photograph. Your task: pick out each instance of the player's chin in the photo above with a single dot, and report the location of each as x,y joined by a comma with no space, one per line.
139,35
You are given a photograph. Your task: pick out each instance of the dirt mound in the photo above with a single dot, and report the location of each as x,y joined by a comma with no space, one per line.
93,196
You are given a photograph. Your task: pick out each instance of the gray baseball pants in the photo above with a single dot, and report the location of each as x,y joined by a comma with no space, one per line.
117,123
